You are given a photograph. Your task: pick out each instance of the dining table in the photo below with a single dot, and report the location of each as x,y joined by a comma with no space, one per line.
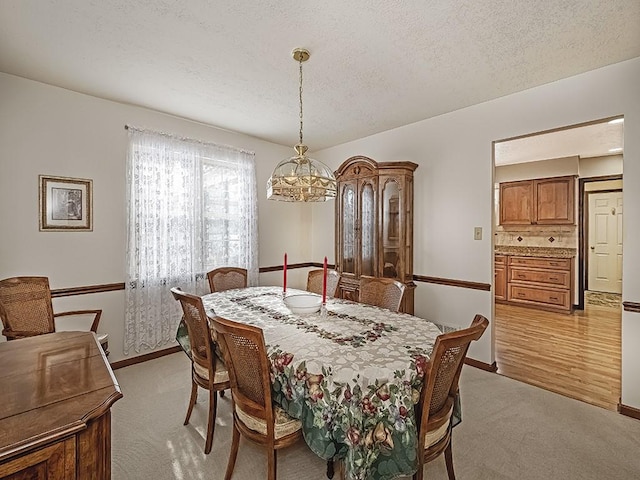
351,372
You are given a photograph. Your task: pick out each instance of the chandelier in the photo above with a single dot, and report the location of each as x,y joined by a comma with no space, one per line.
300,178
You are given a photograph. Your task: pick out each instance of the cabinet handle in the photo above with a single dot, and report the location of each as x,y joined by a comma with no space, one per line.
553,279
555,264
520,294
521,276
554,298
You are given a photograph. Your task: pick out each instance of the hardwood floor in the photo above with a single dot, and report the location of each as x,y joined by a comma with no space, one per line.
576,355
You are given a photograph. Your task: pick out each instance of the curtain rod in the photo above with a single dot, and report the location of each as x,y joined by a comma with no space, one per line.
187,139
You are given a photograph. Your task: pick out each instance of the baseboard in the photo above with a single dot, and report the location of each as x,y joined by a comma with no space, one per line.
146,357
481,365
629,411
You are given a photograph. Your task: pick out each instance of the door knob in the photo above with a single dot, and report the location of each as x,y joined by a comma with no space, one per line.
592,248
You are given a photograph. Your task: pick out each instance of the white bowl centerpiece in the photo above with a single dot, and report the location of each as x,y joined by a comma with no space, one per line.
303,303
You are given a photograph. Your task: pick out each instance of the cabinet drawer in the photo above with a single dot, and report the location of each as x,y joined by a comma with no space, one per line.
500,260
539,296
541,262
551,278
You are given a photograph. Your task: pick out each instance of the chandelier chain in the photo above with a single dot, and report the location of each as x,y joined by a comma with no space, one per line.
300,96
300,178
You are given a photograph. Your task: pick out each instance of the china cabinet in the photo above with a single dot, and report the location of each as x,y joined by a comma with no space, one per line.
374,224
541,201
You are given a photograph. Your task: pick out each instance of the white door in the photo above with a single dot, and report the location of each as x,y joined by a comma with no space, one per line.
605,242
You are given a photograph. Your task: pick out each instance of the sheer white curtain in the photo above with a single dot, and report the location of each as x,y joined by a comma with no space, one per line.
192,207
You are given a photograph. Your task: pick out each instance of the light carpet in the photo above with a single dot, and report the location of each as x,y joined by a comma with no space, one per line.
510,430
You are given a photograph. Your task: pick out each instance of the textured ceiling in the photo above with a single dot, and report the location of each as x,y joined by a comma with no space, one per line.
595,140
375,65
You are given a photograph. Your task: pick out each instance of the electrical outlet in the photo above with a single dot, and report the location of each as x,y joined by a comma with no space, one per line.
477,233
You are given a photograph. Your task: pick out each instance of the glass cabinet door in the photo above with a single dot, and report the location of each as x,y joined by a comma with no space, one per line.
391,230
368,230
348,229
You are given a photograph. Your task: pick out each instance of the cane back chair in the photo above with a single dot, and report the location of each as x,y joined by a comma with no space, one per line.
226,278
208,371
314,282
381,292
435,408
254,416
26,310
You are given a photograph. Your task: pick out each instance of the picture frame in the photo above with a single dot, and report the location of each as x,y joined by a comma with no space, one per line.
66,204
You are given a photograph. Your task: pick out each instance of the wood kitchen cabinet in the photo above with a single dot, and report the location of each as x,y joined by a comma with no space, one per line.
374,224
542,201
500,275
55,420
542,282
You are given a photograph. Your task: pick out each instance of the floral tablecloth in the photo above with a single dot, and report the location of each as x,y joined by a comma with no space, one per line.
352,375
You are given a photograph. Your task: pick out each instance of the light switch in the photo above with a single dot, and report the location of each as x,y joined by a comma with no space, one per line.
477,233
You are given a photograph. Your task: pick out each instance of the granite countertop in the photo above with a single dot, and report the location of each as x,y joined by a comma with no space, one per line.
522,251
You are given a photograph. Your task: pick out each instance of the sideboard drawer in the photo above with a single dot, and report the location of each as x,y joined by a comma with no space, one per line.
539,296
547,277
541,262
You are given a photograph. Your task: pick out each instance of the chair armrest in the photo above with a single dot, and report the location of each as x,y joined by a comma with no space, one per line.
96,319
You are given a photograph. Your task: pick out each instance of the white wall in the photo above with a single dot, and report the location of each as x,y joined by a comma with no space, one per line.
601,166
557,167
52,131
454,186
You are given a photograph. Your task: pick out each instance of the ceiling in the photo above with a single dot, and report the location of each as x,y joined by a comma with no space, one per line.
374,66
594,140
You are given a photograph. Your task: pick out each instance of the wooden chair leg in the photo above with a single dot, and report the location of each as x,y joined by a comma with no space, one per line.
211,424
330,468
192,401
448,458
272,463
233,453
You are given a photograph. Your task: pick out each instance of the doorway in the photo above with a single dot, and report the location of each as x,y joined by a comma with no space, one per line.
605,242
531,344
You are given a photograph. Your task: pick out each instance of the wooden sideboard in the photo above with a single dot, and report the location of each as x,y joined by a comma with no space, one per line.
540,282
55,401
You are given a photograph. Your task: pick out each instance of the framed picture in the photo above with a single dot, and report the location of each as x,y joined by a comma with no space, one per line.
65,204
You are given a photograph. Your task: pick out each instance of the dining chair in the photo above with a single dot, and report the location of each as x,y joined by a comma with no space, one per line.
208,371
226,278
254,415
26,310
437,398
314,282
381,292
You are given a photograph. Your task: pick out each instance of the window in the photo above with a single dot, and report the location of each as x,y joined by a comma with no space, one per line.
192,207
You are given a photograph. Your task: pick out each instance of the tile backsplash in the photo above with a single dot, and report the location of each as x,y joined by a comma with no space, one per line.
560,236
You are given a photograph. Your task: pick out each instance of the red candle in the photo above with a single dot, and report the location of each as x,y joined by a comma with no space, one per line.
284,281
324,281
